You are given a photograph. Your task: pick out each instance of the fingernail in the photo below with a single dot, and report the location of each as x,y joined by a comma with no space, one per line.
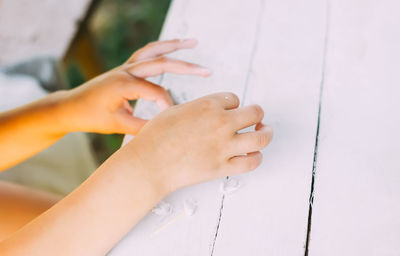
204,71
189,43
269,130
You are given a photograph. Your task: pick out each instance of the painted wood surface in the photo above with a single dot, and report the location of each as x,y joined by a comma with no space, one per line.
226,30
31,28
326,76
357,184
269,214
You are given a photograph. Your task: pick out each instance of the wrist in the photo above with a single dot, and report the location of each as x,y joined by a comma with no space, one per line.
62,112
142,167
45,117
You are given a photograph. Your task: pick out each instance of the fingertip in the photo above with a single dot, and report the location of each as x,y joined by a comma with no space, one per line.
205,72
131,124
164,100
164,104
255,159
189,43
257,154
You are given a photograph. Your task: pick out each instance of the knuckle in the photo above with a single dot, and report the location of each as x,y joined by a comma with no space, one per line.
207,104
122,78
162,60
175,42
223,121
188,65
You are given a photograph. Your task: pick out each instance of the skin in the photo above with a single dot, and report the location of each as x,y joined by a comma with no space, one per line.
183,145
100,105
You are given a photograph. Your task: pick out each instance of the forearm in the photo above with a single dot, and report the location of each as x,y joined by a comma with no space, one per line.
94,217
27,130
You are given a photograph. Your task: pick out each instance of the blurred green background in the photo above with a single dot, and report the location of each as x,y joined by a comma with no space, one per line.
112,31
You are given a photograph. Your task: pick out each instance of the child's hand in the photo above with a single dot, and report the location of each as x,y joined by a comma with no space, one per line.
197,141
101,105
186,144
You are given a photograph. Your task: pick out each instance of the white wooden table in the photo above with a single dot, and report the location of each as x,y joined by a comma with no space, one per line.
327,76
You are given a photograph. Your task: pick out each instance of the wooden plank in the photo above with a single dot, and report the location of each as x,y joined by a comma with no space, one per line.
32,28
226,31
357,186
269,214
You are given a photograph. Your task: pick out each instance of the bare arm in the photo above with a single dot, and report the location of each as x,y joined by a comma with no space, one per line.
100,105
91,219
26,130
166,155
184,145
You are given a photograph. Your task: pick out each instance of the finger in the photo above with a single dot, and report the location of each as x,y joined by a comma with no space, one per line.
128,108
244,163
247,116
160,65
146,90
252,141
128,124
226,100
155,49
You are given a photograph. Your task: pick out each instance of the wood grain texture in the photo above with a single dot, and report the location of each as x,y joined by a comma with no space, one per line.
32,28
269,214
226,30
357,186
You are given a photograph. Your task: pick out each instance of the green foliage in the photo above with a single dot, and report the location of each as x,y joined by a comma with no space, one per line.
119,27
74,75
126,25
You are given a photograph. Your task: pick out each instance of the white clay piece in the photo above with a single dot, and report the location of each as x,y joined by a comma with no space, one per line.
229,186
163,209
190,206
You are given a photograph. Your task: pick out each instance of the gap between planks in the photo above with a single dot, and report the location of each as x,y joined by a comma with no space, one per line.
314,167
252,54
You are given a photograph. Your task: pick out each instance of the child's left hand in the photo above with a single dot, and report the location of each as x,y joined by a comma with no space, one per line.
102,104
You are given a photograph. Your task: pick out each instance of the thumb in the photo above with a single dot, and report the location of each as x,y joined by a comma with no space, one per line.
129,124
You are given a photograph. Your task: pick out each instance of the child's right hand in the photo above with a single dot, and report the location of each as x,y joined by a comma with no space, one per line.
198,141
